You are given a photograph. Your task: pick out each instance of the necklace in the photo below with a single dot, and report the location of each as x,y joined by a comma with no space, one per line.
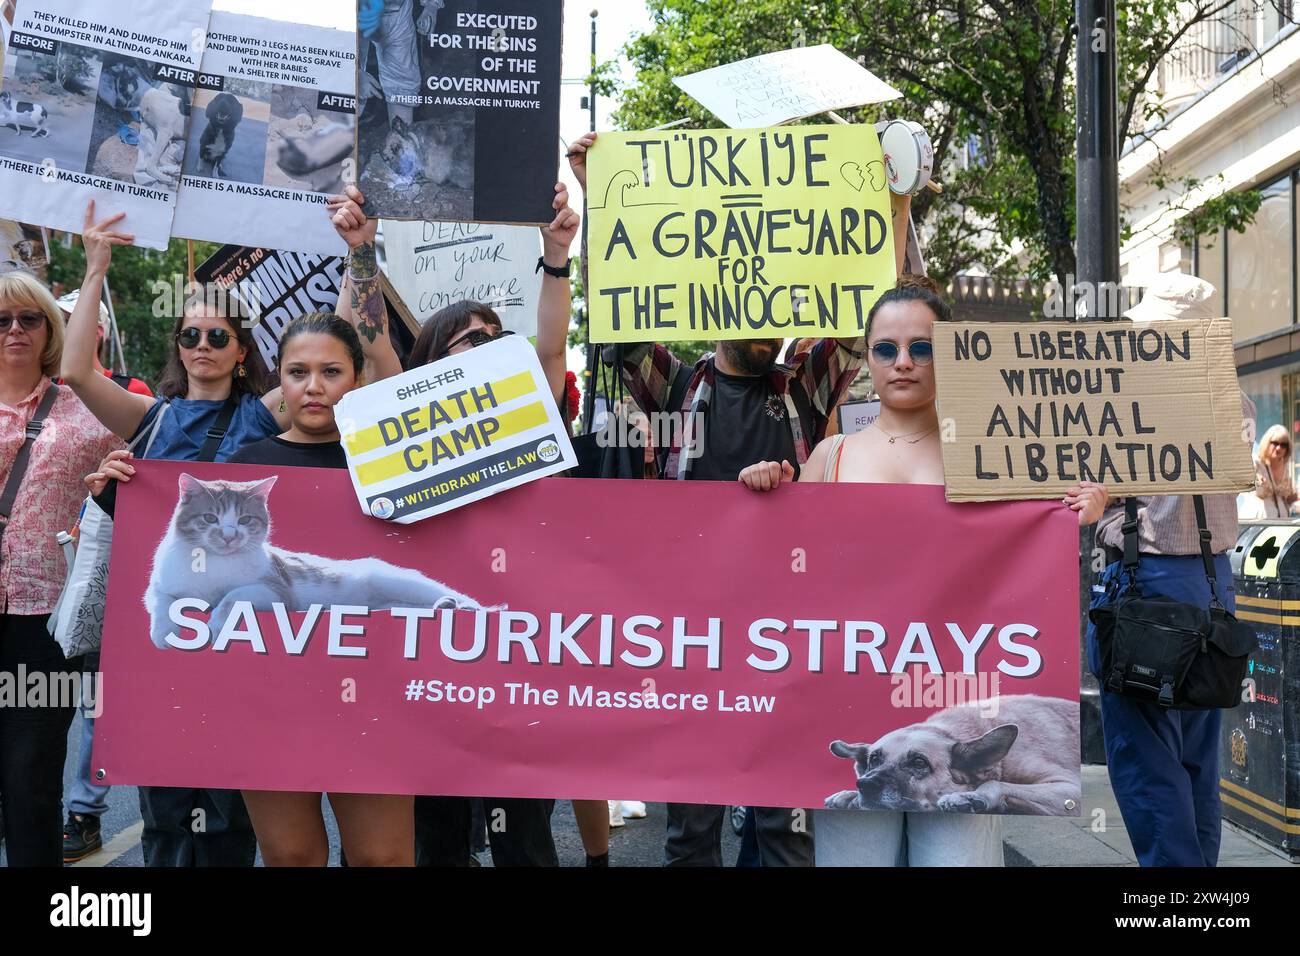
913,441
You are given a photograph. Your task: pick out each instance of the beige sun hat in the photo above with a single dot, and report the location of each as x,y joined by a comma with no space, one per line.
69,302
1174,295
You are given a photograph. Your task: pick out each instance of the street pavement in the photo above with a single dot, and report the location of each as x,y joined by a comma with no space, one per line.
639,843
1097,838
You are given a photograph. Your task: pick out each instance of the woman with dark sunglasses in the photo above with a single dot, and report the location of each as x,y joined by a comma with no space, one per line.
206,370
205,384
211,403
1275,492
41,470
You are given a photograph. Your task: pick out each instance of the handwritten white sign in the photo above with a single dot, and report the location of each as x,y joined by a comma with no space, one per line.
776,88
433,264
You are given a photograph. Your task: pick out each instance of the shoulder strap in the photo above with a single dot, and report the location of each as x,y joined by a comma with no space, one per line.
218,430
832,472
23,458
152,431
1130,530
677,391
1206,557
676,396
804,408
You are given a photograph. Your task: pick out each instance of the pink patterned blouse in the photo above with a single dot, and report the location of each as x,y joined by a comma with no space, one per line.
71,446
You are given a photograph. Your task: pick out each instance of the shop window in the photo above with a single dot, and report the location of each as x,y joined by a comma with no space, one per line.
1260,285
1210,265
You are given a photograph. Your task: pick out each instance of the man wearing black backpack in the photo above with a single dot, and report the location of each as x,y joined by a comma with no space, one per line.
1163,762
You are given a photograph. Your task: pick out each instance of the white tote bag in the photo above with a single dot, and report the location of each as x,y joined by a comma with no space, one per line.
77,621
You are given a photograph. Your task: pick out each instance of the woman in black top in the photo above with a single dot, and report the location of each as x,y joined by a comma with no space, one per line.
321,361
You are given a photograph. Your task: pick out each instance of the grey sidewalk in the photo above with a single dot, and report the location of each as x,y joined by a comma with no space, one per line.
1099,838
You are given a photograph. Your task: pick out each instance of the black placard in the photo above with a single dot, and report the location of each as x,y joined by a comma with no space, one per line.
465,123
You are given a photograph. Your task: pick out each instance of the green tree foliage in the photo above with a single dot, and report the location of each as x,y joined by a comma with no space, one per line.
143,284
992,81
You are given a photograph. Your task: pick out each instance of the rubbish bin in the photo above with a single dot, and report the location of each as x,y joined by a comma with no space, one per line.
1259,750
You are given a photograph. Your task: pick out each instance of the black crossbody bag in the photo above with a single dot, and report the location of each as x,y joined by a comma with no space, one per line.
1164,651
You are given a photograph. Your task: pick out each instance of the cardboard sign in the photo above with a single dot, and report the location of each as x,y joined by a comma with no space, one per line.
271,288
856,416
272,134
775,88
737,234
460,109
1029,409
100,93
433,264
501,650
443,435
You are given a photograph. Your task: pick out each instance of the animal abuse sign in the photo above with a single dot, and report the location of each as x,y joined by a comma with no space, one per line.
498,649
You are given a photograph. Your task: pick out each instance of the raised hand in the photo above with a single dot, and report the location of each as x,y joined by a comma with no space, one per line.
578,157
99,238
557,238
349,221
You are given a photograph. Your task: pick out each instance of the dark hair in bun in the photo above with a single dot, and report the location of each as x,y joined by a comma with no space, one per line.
914,288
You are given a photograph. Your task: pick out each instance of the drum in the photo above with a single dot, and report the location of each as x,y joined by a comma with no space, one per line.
909,156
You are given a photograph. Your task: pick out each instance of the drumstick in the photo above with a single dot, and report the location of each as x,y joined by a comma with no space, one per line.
934,187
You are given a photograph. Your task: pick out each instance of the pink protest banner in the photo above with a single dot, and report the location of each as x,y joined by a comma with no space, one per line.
692,642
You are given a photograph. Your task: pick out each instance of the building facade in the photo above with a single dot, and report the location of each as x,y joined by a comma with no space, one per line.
1231,92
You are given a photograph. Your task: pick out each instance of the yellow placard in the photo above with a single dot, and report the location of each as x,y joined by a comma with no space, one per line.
451,443
447,411
737,234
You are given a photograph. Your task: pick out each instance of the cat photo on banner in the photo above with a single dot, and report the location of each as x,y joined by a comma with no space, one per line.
237,571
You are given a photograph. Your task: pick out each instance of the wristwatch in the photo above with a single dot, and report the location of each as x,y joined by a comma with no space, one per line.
560,273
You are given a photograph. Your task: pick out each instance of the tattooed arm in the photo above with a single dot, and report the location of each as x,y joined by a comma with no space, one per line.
361,300
554,308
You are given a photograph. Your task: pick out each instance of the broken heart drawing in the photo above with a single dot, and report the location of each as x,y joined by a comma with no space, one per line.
858,176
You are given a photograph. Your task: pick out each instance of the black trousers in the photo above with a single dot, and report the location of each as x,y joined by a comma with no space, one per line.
33,742
695,835
519,831
184,827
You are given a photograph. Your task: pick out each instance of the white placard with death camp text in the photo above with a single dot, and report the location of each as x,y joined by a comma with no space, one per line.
449,433
775,88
